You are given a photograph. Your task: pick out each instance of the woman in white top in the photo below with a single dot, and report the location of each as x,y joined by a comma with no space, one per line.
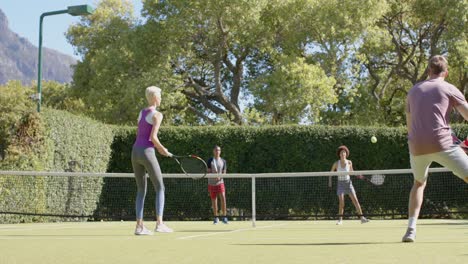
344,184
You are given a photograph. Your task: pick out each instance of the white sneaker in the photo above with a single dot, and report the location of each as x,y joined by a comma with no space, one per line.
364,220
162,228
410,235
142,231
339,222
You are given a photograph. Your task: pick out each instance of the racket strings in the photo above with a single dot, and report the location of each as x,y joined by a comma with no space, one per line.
193,166
377,179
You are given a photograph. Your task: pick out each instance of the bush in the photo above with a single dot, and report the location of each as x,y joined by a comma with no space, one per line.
277,149
53,141
59,141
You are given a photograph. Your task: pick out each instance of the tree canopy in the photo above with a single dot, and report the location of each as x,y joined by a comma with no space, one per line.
264,61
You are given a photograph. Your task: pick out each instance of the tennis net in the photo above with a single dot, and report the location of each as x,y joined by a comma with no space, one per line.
77,196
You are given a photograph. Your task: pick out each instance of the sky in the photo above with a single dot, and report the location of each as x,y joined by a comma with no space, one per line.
23,19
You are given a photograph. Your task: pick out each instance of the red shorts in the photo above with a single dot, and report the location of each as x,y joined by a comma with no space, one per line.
215,189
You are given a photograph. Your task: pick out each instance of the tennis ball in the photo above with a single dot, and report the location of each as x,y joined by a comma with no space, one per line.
373,139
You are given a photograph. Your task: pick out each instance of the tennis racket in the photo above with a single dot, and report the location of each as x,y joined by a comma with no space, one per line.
376,179
463,144
191,165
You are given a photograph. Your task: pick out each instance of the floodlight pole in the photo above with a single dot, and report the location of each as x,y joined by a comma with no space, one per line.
72,10
39,61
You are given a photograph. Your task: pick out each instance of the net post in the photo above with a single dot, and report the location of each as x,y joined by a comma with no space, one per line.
253,202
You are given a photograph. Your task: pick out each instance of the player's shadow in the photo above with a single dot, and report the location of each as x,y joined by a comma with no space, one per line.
442,224
204,231
65,235
319,244
340,243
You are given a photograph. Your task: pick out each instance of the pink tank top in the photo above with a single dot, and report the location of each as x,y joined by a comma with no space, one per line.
143,138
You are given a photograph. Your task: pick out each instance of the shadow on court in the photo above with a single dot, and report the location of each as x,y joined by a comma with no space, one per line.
66,235
344,243
443,224
205,231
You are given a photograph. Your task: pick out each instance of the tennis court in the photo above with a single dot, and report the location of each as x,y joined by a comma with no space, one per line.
438,241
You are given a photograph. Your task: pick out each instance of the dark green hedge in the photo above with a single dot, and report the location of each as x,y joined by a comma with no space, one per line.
275,148
26,150
53,139
85,141
50,142
281,149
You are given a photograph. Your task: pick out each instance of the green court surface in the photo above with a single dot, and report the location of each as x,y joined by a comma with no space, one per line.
438,241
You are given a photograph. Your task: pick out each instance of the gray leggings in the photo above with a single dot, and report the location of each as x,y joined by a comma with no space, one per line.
144,160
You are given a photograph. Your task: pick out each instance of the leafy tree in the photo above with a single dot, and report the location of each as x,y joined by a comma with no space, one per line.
294,91
15,103
396,51
243,61
328,34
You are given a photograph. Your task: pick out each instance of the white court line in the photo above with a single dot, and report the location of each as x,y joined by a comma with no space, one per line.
130,237
227,232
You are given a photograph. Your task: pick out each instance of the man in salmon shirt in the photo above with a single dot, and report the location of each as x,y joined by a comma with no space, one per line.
428,107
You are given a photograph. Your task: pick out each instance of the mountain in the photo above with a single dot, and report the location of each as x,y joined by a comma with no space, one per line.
18,59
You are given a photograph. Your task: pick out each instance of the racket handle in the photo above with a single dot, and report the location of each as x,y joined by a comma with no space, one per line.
170,154
465,142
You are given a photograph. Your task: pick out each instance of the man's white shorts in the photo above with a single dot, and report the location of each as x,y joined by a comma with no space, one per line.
453,159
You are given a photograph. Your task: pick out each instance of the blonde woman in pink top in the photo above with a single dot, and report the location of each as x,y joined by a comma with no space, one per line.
144,161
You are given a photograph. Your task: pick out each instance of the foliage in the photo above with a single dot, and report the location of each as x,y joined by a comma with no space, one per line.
276,149
14,104
55,138
48,141
295,91
395,51
205,58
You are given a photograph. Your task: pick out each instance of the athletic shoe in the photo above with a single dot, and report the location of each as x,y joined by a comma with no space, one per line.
410,235
225,220
162,228
142,231
339,222
215,221
364,220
